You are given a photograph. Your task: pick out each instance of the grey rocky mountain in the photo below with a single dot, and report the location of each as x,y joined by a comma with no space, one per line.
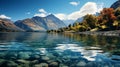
40,23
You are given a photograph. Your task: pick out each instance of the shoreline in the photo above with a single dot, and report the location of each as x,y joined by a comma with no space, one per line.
102,33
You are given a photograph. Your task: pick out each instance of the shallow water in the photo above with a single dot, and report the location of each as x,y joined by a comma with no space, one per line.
58,50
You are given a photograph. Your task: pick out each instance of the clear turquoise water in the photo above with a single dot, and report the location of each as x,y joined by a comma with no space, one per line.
70,50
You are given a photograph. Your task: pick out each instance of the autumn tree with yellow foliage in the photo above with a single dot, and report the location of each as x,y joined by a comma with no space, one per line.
108,19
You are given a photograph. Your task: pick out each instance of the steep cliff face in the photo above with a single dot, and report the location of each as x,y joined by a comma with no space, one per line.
116,4
40,23
8,25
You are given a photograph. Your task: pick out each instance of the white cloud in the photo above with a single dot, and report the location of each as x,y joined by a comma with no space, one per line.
88,8
61,16
74,15
74,3
4,17
100,6
41,15
42,11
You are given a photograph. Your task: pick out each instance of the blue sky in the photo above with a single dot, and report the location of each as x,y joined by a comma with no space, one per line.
21,9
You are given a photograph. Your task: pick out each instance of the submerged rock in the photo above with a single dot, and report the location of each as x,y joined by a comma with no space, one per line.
45,58
41,65
34,61
81,64
11,55
8,64
65,66
54,64
51,56
33,57
22,61
62,65
1,61
2,55
36,56
23,55
91,64
49,61
11,64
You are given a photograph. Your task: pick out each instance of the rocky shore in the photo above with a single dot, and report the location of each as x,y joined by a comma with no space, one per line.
103,33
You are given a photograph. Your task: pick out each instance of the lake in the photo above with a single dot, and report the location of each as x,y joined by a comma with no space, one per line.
28,49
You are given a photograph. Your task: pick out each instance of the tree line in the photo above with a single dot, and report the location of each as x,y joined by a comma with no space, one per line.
108,19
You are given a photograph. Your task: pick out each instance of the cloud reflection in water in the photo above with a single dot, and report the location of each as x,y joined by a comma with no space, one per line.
88,54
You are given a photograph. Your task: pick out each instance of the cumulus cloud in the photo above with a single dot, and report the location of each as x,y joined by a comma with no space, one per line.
61,16
88,8
74,3
42,13
4,17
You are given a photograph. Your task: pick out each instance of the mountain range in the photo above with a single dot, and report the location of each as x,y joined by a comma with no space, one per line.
32,24
7,25
39,23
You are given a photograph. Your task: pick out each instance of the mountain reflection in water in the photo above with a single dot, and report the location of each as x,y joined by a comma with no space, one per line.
72,50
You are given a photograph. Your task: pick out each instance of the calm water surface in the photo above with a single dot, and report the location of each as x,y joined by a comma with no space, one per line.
58,50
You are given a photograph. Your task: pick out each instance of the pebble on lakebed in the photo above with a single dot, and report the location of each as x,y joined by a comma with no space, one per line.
41,65
54,64
45,58
81,64
27,59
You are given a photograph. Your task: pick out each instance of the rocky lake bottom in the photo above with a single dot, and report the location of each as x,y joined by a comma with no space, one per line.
58,50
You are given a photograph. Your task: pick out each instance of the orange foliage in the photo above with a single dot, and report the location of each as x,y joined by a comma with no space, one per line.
108,13
107,16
